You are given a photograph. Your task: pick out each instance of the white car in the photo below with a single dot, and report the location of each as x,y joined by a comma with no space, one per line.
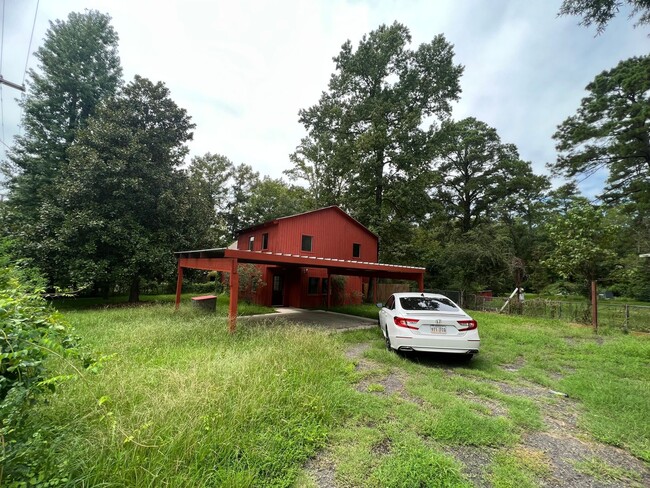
428,322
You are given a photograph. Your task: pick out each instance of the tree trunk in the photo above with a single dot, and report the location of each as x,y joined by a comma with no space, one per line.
134,292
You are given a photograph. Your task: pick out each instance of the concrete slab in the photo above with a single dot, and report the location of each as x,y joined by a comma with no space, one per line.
317,318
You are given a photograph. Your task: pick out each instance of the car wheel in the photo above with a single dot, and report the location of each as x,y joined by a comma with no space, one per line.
465,358
388,346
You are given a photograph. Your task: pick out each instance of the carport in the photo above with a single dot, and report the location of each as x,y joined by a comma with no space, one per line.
227,260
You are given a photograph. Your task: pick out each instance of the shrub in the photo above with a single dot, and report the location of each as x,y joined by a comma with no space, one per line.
30,333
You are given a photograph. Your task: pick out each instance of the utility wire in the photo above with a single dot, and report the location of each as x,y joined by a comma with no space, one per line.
29,49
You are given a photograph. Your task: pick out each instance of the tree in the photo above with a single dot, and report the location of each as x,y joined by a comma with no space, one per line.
479,177
366,135
475,260
78,67
272,198
211,176
244,180
600,12
124,196
582,243
611,130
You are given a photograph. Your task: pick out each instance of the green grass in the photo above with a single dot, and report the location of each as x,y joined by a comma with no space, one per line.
605,472
183,403
243,308
518,468
180,402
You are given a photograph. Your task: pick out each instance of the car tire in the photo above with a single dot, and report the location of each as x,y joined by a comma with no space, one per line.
465,358
388,345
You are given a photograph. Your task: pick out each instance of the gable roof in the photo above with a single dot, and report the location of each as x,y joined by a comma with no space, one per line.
331,207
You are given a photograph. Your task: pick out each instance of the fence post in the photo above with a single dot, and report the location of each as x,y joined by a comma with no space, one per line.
594,305
627,318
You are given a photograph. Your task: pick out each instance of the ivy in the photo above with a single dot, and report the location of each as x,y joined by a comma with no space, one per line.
30,333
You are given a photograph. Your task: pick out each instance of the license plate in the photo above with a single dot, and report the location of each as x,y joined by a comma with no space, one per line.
438,329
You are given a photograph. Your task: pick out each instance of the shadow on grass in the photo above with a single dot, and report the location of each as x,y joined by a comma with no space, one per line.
438,359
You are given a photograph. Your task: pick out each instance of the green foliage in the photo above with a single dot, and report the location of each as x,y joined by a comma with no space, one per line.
582,241
31,333
366,147
272,198
126,203
250,280
610,130
600,12
78,67
477,174
473,260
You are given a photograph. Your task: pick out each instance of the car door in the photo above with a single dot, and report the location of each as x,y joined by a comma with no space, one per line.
385,314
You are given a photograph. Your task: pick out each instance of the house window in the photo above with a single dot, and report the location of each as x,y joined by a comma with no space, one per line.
356,250
306,243
324,288
265,241
313,286
251,243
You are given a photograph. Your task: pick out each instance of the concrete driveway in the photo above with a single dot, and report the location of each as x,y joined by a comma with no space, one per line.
318,318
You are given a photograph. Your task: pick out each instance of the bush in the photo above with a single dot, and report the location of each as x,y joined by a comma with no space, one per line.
31,332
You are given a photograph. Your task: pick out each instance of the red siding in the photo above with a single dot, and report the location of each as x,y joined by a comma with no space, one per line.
333,236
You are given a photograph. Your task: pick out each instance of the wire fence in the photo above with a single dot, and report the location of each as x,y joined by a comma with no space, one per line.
629,318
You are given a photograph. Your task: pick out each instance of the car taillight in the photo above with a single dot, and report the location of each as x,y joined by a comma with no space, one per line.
407,323
467,324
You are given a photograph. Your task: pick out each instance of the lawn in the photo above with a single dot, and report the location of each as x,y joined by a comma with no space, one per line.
180,402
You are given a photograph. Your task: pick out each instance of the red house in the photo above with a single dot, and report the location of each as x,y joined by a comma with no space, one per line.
325,233
300,257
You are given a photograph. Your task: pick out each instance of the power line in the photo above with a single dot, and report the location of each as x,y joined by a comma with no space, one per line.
2,42
591,173
31,37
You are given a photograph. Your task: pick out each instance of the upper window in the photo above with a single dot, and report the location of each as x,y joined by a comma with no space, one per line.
427,303
265,241
306,243
251,243
313,286
356,250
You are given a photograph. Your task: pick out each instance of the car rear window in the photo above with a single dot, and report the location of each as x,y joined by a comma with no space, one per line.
428,303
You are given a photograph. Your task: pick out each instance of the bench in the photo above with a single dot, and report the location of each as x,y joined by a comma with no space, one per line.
207,302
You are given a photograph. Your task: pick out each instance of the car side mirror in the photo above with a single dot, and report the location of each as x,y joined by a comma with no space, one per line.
379,305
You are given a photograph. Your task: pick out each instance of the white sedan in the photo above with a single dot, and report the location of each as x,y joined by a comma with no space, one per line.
428,322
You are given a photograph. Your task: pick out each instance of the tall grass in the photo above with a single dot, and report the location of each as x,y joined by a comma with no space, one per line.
183,403
180,402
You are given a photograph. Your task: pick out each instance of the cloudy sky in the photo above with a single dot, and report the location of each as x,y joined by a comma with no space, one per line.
243,68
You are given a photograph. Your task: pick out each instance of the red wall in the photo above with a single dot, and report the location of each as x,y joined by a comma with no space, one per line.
333,235
296,287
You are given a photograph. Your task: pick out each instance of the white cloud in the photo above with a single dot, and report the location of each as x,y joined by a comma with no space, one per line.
244,69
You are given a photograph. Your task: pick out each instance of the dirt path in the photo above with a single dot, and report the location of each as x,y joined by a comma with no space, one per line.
572,456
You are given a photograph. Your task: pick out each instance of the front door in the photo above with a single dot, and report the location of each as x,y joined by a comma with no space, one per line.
277,297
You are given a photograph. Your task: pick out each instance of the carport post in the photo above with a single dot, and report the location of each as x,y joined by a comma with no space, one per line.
329,289
234,295
374,291
421,282
179,285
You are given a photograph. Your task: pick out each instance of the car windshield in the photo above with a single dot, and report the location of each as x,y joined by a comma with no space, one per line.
427,303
